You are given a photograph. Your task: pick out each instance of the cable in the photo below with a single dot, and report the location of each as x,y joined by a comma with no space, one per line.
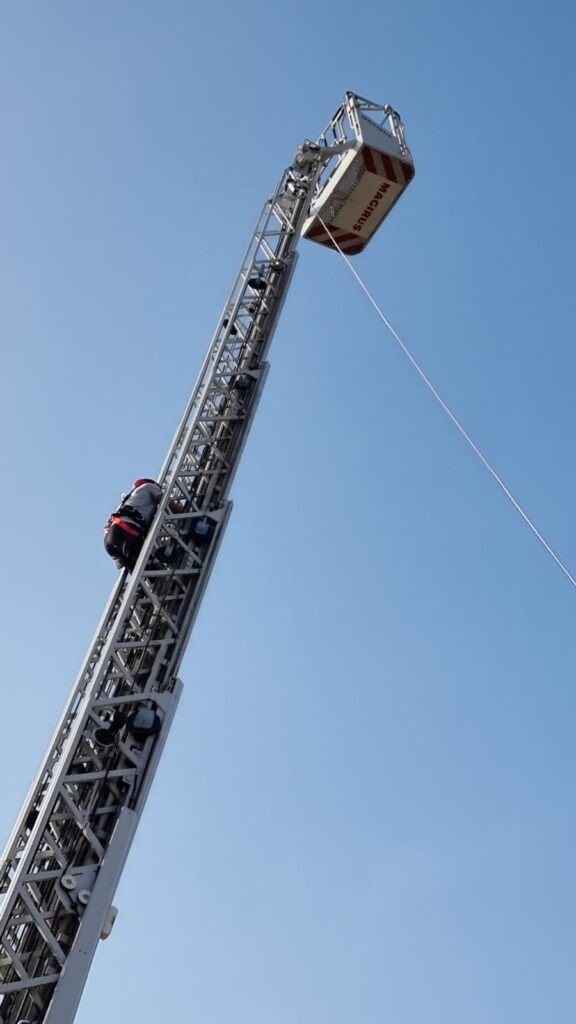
448,411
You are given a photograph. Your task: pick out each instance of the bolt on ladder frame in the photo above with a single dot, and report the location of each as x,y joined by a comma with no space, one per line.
63,861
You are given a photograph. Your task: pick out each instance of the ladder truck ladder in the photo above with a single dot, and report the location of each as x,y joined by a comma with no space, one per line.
64,858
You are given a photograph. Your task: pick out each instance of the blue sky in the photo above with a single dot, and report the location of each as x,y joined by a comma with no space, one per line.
366,807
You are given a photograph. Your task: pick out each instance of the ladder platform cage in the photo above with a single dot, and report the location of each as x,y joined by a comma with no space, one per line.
368,178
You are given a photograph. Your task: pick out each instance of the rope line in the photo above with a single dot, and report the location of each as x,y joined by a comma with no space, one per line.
448,411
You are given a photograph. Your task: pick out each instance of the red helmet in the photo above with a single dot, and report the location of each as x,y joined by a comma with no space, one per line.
143,480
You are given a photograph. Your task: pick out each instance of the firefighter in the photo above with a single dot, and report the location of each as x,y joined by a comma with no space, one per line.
126,529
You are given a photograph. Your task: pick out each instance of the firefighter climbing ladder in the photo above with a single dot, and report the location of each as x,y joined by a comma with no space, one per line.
62,863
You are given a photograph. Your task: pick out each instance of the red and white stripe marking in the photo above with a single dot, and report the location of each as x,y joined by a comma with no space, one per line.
385,167
388,167
348,241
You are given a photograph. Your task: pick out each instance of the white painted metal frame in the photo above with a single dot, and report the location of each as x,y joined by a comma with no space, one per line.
345,125
65,855
345,130
62,863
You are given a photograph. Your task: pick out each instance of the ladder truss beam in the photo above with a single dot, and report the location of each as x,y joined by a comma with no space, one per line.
63,860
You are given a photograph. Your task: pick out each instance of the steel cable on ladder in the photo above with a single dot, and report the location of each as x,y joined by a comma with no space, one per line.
448,411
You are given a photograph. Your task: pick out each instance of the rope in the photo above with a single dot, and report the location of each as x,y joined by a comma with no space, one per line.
449,412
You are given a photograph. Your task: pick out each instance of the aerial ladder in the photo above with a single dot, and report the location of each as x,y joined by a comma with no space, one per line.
65,856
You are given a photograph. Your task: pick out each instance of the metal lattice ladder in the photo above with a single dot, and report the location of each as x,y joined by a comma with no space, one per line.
62,863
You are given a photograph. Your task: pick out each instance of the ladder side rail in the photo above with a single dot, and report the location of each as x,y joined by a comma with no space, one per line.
258,372
265,367
247,261
264,232
173,665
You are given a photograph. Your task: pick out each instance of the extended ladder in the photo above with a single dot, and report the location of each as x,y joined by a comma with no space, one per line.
66,853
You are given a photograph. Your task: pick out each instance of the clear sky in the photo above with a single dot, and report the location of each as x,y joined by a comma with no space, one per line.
376,822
